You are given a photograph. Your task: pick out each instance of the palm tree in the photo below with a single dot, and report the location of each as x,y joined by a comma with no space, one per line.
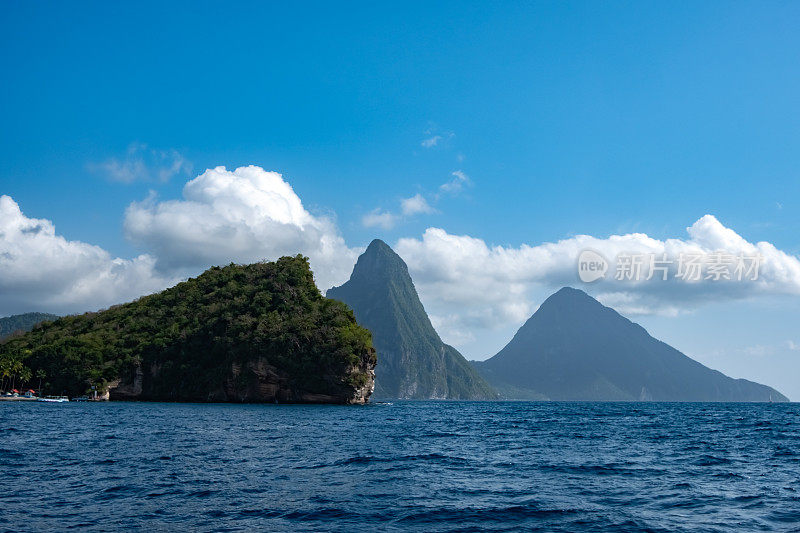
16,368
5,371
25,375
41,374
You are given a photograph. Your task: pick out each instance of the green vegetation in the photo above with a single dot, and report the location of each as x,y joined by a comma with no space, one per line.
185,341
13,373
22,323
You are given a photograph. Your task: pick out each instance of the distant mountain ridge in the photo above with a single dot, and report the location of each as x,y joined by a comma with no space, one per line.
575,348
413,362
22,323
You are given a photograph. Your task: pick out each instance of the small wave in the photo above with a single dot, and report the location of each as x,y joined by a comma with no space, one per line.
10,454
711,460
371,459
729,475
117,491
324,514
782,451
164,493
202,493
441,434
514,513
600,470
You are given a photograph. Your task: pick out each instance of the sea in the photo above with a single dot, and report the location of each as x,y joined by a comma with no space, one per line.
400,466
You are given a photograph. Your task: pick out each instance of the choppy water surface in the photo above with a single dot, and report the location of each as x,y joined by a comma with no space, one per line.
425,466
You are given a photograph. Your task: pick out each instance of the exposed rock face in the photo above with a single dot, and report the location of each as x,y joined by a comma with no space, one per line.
257,381
414,362
127,391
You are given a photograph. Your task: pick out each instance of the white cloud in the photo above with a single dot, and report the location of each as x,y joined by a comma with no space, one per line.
476,285
456,184
238,216
430,142
249,214
43,271
142,163
380,219
244,215
457,333
409,207
415,205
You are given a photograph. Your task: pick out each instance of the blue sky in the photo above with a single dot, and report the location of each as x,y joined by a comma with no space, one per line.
568,118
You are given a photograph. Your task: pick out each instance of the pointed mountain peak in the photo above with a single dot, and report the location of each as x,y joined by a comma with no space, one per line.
379,260
414,362
377,246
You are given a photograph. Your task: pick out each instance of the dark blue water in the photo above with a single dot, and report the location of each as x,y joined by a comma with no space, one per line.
429,466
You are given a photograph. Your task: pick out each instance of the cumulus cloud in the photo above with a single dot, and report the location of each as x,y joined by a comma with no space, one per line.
415,205
249,214
378,218
142,163
241,216
43,271
244,215
409,207
471,284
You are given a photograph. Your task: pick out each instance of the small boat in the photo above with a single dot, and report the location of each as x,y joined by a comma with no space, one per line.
54,399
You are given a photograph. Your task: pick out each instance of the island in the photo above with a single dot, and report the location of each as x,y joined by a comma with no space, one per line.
241,333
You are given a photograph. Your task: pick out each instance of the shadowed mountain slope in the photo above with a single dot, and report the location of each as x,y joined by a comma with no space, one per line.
575,348
413,362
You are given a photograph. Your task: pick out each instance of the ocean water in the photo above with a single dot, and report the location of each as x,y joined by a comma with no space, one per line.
404,466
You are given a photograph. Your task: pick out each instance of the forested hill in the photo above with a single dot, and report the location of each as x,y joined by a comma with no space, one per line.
22,323
260,332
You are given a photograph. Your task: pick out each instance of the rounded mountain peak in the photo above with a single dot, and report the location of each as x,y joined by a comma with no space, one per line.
569,296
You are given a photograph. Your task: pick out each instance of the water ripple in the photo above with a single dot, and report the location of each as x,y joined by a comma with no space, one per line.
403,466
